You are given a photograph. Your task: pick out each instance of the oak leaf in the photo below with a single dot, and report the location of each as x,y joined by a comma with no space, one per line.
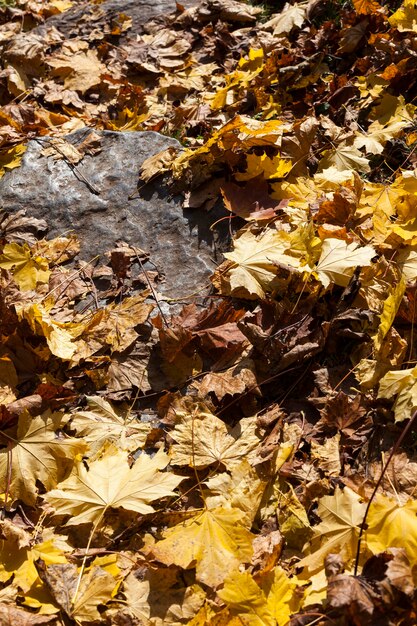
213,541
109,483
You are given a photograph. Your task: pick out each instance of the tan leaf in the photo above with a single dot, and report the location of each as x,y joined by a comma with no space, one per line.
37,453
103,422
109,482
202,439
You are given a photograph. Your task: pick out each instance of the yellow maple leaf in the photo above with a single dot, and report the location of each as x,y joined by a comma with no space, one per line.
242,489
59,339
28,270
270,603
213,541
405,18
109,483
239,79
341,516
343,158
37,454
202,439
11,158
256,259
268,167
391,524
390,307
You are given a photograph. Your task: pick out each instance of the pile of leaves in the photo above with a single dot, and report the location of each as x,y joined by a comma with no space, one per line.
250,459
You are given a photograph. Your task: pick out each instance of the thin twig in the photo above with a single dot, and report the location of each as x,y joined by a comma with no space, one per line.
152,289
378,483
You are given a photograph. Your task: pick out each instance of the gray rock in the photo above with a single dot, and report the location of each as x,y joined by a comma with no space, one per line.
179,241
85,17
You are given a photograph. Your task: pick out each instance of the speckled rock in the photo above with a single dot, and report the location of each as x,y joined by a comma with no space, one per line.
179,241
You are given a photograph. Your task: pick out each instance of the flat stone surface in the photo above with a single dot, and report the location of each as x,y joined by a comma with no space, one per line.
84,18
179,241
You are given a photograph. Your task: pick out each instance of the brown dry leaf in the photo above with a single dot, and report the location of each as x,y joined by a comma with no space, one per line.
155,597
11,615
237,380
78,65
80,603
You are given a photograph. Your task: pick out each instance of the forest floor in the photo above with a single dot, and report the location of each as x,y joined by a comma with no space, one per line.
250,459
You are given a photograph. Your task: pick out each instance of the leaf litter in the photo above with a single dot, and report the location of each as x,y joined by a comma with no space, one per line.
249,459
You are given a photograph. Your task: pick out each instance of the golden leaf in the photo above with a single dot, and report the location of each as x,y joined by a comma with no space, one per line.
213,541
269,604
391,524
341,515
36,453
109,482
28,270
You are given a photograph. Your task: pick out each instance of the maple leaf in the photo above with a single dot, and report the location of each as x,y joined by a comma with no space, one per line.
339,259
8,380
36,453
405,18
291,15
242,489
203,439
109,482
391,524
78,65
11,615
256,260
366,7
341,515
11,158
264,166
403,384
78,599
103,422
213,541
28,270
20,561
59,339
156,597
269,604
343,158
